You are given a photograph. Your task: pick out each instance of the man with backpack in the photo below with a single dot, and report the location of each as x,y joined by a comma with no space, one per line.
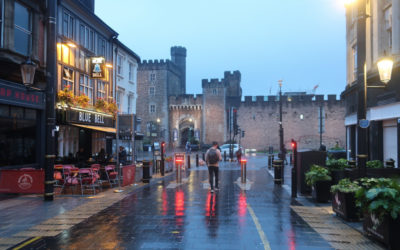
213,156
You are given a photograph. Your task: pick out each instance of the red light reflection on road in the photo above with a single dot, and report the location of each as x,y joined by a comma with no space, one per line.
210,205
292,241
164,202
179,203
242,205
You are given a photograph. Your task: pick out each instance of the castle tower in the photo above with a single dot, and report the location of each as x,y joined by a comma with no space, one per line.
214,111
178,57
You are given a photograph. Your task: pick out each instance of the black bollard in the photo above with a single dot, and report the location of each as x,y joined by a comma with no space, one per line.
146,171
197,160
224,155
269,161
243,166
188,161
277,164
291,159
204,156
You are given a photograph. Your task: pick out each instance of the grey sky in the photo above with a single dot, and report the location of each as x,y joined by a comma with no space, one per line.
299,41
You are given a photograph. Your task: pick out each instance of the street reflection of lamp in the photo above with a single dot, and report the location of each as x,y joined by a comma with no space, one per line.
385,66
28,69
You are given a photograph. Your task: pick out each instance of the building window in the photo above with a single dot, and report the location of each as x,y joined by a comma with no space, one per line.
102,47
152,91
388,25
130,102
86,37
152,77
68,78
86,86
119,65
119,99
354,54
130,72
214,91
152,108
68,25
22,29
101,89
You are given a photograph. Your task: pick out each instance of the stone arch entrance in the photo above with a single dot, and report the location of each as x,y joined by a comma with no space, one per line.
186,131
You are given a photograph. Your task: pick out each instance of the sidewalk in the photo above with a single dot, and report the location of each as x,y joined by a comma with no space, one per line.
320,216
26,216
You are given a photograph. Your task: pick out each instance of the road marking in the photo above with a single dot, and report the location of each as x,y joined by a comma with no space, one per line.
244,186
259,229
27,243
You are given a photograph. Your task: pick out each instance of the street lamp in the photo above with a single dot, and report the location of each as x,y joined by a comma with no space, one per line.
281,145
28,69
385,66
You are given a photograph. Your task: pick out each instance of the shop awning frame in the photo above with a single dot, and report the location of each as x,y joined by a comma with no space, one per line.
102,129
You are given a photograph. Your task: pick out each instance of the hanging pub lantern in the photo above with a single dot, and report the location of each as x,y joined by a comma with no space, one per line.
28,69
385,66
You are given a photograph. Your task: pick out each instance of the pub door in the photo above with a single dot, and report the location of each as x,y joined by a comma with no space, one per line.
85,141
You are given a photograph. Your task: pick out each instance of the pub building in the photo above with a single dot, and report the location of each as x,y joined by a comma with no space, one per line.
85,89
22,64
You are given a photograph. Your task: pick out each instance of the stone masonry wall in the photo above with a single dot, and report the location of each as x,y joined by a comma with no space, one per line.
214,116
260,120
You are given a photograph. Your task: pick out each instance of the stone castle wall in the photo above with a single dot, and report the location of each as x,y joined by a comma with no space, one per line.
260,121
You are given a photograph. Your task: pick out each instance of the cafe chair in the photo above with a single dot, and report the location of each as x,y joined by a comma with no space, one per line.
58,176
87,180
70,178
112,175
96,172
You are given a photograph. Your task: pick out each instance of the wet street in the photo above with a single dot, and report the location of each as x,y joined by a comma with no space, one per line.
187,216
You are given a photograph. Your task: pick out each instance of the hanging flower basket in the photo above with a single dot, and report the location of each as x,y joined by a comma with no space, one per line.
101,105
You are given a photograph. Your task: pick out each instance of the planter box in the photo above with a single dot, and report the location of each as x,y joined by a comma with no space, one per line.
321,191
337,175
344,205
351,173
382,172
386,230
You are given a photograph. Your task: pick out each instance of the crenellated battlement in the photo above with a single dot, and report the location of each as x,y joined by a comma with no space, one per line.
186,100
155,62
212,83
296,99
232,75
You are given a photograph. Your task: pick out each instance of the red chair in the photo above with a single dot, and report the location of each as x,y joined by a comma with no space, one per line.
87,179
96,171
70,178
112,175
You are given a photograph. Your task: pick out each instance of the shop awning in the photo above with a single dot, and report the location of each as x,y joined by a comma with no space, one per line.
103,129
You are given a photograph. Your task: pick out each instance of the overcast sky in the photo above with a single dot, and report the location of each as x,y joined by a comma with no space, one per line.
299,41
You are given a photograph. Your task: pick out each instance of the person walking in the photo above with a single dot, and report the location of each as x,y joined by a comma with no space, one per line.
213,156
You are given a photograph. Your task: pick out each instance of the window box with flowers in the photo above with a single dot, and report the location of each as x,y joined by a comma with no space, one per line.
101,105
66,96
82,101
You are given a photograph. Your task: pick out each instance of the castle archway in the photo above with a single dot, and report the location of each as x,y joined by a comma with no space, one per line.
186,131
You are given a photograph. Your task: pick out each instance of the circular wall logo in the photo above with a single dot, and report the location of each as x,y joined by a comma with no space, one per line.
25,181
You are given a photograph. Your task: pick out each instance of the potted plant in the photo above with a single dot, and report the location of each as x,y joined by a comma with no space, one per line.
112,108
319,179
379,199
337,168
343,199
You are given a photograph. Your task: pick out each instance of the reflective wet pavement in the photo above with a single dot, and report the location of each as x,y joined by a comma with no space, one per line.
190,217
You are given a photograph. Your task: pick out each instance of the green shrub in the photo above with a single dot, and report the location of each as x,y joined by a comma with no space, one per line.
380,196
317,173
339,164
345,186
374,164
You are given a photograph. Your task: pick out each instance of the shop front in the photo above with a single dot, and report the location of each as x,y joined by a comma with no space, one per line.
86,132
22,143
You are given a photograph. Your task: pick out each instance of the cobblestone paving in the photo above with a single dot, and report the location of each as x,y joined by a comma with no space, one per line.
333,230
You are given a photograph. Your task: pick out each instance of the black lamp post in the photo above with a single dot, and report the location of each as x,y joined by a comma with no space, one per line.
385,68
281,145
